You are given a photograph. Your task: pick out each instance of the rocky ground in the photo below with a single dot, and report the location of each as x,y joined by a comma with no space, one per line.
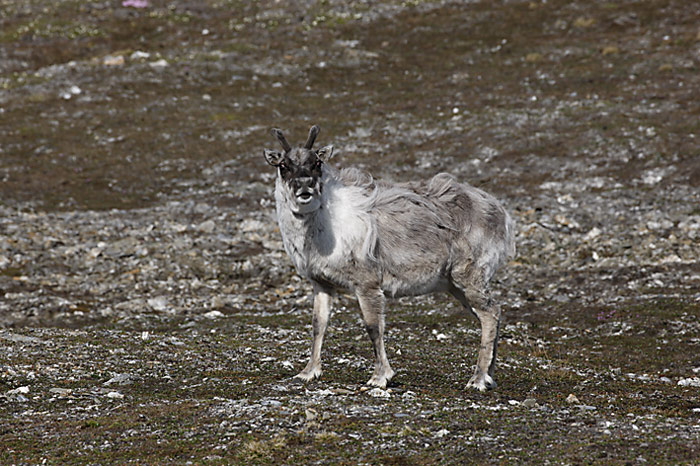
149,315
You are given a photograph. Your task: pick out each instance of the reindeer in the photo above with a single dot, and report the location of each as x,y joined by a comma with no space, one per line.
345,230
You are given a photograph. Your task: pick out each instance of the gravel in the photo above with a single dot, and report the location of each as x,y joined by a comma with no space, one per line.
149,313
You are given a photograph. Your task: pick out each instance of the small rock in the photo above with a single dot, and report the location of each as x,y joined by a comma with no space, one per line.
115,395
341,391
571,399
583,22
207,226
441,433
135,3
671,259
652,177
120,379
18,390
594,233
202,207
271,402
192,323
21,338
567,222
139,55
158,304
214,314
530,403
113,60
60,391
287,365
159,64
690,382
533,57
74,90
251,225
311,414
379,393
94,253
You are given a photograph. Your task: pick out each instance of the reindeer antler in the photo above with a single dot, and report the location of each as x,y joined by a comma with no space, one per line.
312,137
280,137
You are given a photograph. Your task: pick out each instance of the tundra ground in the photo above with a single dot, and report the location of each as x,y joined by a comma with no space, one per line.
149,315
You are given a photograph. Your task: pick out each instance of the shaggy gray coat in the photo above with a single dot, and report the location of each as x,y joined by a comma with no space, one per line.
410,238
343,229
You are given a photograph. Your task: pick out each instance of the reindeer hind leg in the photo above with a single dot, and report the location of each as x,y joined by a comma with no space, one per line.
489,317
372,306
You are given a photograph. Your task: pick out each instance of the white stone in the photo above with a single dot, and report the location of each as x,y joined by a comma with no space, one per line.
690,382
159,64
158,304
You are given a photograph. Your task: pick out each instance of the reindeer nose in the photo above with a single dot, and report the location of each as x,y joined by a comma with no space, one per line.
304,183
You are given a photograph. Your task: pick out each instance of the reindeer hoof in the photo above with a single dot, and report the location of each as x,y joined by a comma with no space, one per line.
381,378
377,382
482,382
308,375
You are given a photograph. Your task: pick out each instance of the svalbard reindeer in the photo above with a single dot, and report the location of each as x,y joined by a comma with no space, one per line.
343,229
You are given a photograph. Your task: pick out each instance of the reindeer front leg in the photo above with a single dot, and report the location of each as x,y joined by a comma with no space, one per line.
322,312
372,303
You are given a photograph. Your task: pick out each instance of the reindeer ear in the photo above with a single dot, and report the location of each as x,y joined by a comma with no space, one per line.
325,153
273,157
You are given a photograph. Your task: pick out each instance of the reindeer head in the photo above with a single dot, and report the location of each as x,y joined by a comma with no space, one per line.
300,170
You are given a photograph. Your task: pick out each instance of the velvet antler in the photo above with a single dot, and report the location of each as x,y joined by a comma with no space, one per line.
312,137
280,137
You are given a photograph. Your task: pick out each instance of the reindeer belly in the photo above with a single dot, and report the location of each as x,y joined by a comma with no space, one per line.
331,279
398,286
411,278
